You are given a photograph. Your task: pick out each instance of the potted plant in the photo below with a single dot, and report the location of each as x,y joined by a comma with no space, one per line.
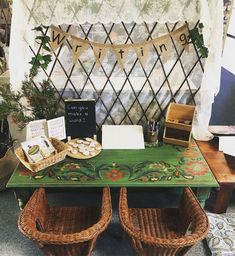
8,159
29,103
34,100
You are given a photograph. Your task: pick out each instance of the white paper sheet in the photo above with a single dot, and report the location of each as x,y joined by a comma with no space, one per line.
122,137
227,145
51,128
36,128
56,128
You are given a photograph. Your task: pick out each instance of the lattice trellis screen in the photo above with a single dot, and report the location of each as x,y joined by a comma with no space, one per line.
133,95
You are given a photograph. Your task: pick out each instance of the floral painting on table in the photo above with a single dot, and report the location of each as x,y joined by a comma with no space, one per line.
162,164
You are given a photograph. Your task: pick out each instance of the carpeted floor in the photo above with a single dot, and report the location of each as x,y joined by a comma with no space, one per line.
12,243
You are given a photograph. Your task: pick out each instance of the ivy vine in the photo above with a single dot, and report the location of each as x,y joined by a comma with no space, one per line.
197,38
41,60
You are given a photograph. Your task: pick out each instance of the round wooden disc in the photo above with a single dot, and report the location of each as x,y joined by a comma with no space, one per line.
75,146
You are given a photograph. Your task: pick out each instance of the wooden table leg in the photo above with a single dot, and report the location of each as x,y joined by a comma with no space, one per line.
223,198
202,195
22,195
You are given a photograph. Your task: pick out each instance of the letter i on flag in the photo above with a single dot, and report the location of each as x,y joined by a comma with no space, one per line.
142,52
58,37
100,52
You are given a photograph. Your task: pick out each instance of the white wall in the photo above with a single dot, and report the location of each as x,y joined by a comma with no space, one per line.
229,48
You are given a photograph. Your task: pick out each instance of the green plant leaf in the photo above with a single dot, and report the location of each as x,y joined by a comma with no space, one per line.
46,48
39,28
197,39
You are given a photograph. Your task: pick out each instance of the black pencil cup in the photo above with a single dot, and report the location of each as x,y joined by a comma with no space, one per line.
152,137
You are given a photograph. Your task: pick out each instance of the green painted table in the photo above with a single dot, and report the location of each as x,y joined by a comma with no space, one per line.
163,165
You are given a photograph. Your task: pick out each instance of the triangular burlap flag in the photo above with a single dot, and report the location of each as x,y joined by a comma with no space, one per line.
78,47
142,52
181,35
162,45
121,52
100,52
58,37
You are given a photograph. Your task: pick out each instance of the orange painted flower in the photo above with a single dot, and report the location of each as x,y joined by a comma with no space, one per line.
196,168
177,173
114,175
190,153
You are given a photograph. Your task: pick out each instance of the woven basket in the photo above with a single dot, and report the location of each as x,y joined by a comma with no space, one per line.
61,151
164,231
64,230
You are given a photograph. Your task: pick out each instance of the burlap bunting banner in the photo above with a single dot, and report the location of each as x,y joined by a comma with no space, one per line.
162,45
182,37
78,47
100,51
142,52
58,37
121,52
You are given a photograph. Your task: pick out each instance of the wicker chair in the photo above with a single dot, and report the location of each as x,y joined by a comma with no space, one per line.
64,230
164,231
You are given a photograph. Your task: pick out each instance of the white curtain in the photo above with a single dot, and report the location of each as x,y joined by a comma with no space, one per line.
30,13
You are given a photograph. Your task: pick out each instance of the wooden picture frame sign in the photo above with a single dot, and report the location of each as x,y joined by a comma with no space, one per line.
80,118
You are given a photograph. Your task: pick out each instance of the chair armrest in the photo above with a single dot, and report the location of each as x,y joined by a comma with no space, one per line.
36,209
192,214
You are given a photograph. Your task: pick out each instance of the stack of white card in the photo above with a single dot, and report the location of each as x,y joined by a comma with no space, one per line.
122,137
227,145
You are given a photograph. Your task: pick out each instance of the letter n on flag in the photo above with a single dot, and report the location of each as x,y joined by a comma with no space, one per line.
58,37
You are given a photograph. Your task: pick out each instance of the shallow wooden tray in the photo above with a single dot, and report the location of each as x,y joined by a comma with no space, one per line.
79,155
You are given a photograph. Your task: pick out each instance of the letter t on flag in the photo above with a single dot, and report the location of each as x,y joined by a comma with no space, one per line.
58,37
121,53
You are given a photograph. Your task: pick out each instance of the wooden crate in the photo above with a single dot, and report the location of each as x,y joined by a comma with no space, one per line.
180,116
178,124
175,136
